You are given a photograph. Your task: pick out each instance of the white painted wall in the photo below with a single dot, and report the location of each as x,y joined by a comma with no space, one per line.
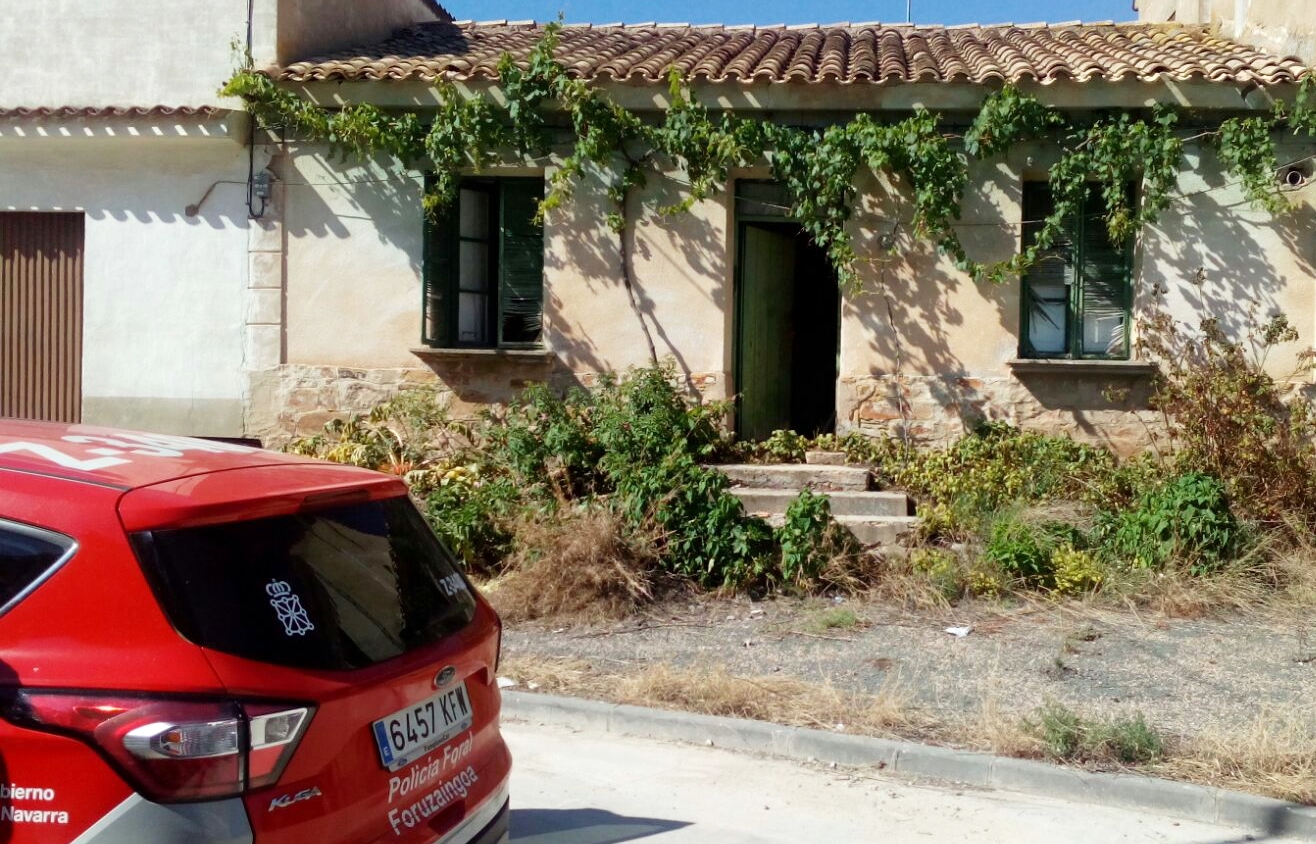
171,52
117,53
164,292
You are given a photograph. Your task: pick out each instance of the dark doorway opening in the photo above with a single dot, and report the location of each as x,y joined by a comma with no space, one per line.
788,311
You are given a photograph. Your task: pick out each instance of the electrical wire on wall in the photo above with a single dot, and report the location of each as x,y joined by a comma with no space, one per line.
258,184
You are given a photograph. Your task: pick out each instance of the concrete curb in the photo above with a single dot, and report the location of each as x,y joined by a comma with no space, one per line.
1127,791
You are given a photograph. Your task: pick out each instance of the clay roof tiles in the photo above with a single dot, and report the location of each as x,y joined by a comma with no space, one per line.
844,53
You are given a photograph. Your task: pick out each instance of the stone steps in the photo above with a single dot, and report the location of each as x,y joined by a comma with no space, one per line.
871,531
797,476
860,504
876,518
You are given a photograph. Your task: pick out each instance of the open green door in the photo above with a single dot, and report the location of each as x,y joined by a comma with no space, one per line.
764,330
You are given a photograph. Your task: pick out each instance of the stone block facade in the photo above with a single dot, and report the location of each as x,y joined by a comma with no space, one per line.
1109,410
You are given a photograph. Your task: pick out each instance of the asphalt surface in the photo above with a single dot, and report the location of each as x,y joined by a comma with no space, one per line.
586,786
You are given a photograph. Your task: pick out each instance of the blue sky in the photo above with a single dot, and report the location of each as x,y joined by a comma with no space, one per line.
782,11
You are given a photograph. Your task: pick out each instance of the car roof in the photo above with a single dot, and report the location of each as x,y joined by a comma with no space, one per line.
120,458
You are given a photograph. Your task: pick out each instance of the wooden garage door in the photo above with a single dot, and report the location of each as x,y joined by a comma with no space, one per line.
41,316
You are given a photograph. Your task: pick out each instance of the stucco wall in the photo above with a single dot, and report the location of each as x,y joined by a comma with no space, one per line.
354,235
309,28
164,302
947,363
143,53
1283,27
923,348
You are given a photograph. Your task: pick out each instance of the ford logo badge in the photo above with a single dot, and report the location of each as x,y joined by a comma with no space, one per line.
444,677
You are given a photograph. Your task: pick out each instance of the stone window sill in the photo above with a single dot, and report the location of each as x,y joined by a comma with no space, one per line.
525,355
1128,368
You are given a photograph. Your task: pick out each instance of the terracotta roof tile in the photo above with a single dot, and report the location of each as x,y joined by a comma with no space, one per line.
67,112
847,53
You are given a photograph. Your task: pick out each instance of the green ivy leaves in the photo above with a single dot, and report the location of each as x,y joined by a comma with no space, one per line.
818,166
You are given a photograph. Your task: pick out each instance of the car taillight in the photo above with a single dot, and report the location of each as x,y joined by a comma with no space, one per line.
175,750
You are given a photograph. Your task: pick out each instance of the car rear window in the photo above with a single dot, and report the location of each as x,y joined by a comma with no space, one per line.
338,588
28,556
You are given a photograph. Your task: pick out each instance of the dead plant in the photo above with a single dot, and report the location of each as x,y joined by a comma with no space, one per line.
582,567
1274,755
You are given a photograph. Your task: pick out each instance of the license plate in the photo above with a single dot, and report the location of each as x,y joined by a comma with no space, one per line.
413,731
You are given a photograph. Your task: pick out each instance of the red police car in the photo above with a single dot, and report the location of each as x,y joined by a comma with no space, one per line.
205,643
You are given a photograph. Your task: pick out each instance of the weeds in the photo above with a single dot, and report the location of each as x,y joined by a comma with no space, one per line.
1068,737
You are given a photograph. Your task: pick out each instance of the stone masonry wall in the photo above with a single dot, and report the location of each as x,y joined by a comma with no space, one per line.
295,400
935,410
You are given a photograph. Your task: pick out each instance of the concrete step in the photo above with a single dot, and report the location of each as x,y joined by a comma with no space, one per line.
884,530
797,476
843,503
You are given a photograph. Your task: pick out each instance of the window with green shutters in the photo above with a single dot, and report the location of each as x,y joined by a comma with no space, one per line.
1076,298
484,267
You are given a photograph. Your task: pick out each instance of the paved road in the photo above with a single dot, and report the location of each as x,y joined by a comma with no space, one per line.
571,787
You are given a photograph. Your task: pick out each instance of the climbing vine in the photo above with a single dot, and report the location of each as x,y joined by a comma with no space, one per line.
543,104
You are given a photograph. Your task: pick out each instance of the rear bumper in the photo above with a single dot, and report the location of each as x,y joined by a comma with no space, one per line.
488,824
497,830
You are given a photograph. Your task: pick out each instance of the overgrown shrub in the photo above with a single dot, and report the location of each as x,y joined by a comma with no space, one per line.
1186,520
999,466
703,531
810,539
942,568
1229,418
1025,550
411,432
471,514
1068,737
1075,572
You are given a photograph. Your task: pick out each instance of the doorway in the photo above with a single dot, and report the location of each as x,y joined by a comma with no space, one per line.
787,325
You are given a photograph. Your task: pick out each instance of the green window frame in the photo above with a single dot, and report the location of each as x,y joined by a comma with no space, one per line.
1076,301
484,267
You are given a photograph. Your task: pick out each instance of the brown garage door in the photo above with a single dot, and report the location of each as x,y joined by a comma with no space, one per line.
41,316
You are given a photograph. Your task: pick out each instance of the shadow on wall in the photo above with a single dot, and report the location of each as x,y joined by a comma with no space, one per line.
323,194
1246,257
916,312
590,256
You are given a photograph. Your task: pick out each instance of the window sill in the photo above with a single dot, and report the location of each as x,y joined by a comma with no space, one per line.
526,355
1065,366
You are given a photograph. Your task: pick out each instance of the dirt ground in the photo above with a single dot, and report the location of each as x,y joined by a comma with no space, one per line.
1187,677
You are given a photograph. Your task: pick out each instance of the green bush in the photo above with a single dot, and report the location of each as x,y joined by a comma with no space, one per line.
999,466
1186,520
1074,572
942,568
1068,737
471,515
810,539
704,533
1025,551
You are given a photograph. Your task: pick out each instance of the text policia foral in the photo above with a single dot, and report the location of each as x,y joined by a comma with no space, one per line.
423,774
433,802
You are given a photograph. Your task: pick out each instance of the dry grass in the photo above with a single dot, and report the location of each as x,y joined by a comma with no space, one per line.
1275,755
897,582
710,690
562,676
581,568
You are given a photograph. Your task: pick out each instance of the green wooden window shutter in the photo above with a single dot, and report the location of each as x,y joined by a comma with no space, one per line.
1104,290
521,263
440,278
1075,300
1048,284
